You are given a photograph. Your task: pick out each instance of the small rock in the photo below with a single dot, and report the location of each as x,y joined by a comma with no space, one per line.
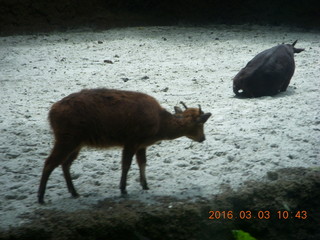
165,89
43,153
230,158
30,144
100,42
194,168
75,176
25,150
291,156
97,183
182,165
13,155
274,145
11,197
167,161
108,61
219,154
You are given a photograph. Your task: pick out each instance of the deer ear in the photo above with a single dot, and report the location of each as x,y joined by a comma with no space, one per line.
203,118
177,110
298,50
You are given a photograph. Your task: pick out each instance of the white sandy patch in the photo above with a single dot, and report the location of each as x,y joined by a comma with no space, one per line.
246,138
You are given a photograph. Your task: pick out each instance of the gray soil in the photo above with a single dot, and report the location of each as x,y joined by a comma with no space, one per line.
259,155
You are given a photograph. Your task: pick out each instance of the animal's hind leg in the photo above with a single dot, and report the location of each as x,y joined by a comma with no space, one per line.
66,172
142,160
59,154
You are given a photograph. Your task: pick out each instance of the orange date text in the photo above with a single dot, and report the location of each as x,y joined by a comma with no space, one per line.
262,215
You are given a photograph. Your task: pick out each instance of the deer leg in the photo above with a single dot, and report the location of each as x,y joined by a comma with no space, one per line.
127,155
66,172
59,154
142,160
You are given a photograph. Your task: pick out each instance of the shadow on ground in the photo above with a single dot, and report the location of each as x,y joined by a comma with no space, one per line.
25,16
295,192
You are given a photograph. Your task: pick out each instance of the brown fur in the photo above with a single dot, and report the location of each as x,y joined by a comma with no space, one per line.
104,118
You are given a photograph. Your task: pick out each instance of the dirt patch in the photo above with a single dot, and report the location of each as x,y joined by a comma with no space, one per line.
254,209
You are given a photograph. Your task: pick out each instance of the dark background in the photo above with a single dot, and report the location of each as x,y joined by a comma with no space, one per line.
23,16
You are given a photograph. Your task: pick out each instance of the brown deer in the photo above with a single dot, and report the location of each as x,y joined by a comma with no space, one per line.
105,118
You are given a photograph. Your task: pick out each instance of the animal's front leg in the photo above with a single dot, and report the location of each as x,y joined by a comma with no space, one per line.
142,161
127,155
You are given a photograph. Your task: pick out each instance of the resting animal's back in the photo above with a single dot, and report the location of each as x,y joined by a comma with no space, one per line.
267,73
103,117
278,60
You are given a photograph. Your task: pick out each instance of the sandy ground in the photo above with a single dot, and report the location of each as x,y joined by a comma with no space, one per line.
246,138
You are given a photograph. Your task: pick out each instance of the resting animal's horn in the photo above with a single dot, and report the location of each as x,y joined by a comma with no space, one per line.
294,43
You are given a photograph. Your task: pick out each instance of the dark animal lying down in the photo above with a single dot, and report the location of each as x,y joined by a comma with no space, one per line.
268,73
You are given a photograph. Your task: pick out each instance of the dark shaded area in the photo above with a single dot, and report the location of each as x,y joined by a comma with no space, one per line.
291,190
23,16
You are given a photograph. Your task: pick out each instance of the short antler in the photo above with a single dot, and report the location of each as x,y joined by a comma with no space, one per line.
200,108
183,104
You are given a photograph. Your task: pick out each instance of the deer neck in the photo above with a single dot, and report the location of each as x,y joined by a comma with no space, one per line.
172,127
